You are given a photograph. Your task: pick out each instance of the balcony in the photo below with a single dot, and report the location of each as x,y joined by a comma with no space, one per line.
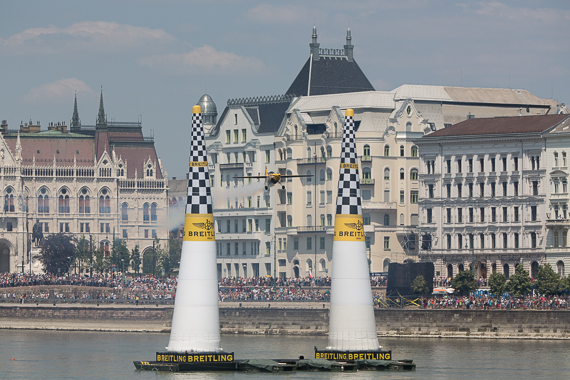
311,161
235,165
366,159
557,222
304,229
367,181
379,205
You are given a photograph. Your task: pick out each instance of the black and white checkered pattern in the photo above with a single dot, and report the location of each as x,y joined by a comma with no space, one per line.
199,194
348,201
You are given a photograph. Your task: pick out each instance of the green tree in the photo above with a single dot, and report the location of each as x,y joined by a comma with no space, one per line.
58,252
136,259
99,263
122,254
564,285
464,283
519,283
175,249
547,280
498,283
419,285
83,253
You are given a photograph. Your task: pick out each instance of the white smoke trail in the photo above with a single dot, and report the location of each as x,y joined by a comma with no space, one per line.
220,195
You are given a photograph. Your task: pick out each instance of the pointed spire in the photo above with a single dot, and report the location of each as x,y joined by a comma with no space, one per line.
75,121
18,148
349,48
315,45
101,118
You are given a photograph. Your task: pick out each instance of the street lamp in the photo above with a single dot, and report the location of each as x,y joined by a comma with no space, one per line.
123,260
91,257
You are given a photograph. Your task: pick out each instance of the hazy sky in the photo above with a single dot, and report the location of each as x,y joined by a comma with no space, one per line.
156,58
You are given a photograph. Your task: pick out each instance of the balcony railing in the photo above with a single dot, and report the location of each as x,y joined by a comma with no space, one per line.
367,181
235,165
311,228
313,160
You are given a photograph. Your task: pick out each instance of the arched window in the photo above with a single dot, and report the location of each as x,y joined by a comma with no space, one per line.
309,220
64,204
43,201
323,264
296,131
506,271
366,175
402,173
387,173
560,267
104,202
322,220
153,212
386,219
9,200
323,152
414,174
84,202
329,174
366,155
329,151
289,153
414,151
449,271
289,179
309,179
124,214
386,265
386,150
402,151
146,212
322,175
289,221
309,264
329,219
401,219
309,153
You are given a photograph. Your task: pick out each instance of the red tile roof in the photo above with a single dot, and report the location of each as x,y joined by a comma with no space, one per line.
500,125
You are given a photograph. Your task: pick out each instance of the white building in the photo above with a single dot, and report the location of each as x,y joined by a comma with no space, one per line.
557,217
483,191
300,133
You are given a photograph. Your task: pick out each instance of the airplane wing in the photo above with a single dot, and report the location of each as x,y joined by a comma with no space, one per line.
252,176
296,175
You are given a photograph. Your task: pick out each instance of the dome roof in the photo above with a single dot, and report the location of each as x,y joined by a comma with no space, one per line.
208,105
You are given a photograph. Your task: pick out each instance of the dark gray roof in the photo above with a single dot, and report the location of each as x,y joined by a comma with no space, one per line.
330,75
270,116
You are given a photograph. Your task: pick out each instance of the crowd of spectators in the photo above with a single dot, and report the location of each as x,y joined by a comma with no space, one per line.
148,288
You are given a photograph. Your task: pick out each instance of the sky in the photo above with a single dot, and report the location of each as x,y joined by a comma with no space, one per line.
154,59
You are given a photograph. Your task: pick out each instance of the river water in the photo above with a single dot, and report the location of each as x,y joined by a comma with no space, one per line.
83,355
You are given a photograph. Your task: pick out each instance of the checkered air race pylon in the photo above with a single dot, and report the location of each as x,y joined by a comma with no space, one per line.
348,199
199,195
195,321
352,326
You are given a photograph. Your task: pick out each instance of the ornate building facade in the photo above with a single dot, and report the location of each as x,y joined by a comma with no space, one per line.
99,181
484,195
288,231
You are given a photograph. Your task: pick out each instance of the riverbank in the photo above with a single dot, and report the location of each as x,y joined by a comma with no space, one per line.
292,318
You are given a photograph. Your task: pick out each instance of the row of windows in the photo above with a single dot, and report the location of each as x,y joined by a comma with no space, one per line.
489,241
459,193
481,217
104,228
366,156
247,225
483,164
236,136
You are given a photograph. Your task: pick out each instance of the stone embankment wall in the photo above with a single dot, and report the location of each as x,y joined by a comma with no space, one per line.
299,319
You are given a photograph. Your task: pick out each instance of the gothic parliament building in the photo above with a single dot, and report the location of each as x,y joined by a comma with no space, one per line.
98,181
